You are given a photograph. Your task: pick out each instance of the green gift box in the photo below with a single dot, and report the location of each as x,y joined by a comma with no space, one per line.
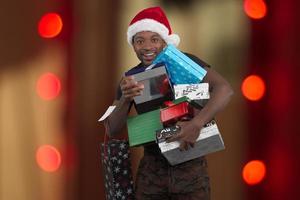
142,128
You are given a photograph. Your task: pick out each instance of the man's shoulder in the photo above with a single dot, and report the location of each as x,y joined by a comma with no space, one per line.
197,60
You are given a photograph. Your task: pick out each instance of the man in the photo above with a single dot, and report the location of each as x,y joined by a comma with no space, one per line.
148,33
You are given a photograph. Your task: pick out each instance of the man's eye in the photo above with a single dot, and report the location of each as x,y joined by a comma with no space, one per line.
139,41
155,40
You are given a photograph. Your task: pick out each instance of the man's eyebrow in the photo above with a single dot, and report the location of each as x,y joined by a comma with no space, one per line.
156,36
137,37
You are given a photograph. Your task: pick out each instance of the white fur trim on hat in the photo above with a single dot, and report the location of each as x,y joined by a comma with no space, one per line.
153,26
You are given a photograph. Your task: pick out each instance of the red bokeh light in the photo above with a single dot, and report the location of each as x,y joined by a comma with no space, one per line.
255,9
48,86
50,25
253,88
254,172
48,158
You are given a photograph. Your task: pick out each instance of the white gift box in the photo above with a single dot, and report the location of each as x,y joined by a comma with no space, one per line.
209,141
192,91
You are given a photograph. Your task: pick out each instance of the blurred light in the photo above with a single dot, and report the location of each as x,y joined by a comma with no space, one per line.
254,172
50,25
48,86
253,88
48,158
255,9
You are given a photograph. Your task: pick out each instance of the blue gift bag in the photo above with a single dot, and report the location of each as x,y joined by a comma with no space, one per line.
181,69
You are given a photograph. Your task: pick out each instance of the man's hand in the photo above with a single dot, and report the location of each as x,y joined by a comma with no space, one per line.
188,134
130,88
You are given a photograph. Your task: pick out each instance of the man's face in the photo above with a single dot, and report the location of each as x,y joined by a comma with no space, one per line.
147,45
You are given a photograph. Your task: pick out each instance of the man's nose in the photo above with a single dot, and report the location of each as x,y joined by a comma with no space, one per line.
148,45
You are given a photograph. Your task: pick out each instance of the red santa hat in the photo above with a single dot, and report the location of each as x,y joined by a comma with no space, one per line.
152,19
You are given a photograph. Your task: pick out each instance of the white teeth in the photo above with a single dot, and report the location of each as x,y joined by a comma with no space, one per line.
149,54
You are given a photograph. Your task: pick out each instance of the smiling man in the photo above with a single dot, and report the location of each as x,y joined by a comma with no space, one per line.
147,45
148,33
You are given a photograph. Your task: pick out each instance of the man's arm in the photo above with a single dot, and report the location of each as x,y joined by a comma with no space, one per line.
220,94
117,119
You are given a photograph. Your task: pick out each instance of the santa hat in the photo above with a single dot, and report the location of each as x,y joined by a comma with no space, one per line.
152,19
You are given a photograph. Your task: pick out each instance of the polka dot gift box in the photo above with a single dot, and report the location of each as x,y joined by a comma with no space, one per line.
181,69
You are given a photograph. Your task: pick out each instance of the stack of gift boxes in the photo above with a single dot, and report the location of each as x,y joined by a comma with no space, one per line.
173,92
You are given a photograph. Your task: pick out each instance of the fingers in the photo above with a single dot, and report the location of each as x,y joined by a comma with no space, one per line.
184,145
128,83
173,138
131,88
192,144
132,92
181,123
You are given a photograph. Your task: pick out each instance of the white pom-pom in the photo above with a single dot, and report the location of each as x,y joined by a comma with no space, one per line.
173,39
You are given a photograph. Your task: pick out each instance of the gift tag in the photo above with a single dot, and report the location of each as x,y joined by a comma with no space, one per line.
109,110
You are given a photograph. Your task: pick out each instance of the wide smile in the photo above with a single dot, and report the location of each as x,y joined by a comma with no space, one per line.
148,56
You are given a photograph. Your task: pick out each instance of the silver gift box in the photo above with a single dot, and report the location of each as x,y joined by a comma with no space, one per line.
209,141
157,89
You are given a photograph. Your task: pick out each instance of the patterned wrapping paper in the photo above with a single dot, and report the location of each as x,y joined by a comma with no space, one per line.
192,91
115,157
181,69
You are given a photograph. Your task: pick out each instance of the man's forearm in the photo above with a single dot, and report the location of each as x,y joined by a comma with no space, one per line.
219,98
117,119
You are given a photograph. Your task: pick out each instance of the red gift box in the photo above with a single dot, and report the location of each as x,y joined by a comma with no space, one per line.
176,112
